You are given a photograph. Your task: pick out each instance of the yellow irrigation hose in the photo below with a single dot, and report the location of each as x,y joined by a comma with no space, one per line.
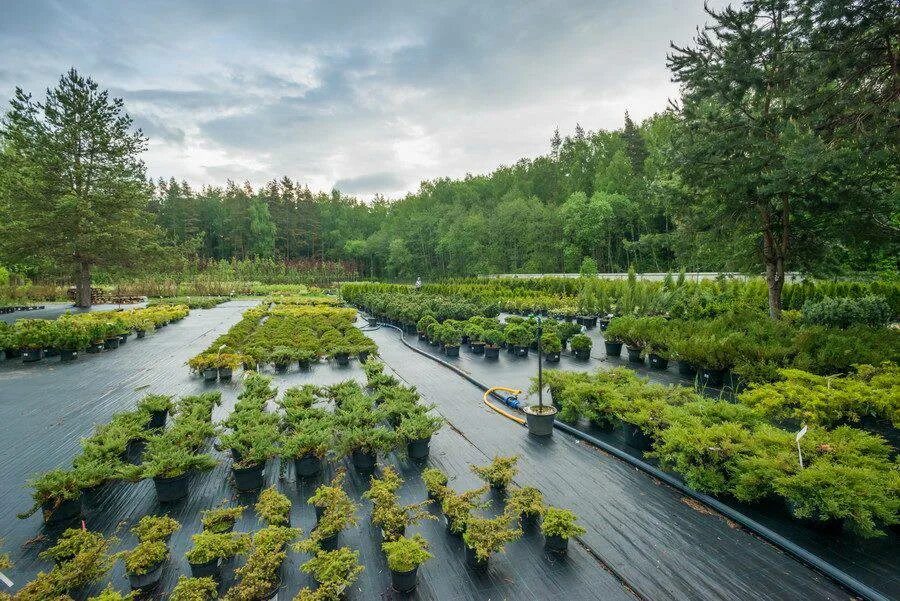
502,412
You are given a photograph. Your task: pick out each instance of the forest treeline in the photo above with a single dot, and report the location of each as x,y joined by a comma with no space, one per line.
605,195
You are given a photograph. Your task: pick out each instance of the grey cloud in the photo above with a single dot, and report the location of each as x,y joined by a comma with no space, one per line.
366,96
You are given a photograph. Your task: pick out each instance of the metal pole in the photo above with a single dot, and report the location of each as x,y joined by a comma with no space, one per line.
540,368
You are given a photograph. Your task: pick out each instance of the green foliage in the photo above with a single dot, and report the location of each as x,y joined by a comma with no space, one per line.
581,343
155,527
221,520
500,472
526,501
458,507
273,507
194,589
406,554
560,522
51,489
550,343
208,546
488,536
845,312
435,482
145,557
339,567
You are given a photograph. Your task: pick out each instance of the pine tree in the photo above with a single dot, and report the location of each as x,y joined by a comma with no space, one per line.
635,145
72,184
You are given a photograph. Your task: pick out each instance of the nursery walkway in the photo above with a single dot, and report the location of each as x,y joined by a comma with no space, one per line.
45,408
662,545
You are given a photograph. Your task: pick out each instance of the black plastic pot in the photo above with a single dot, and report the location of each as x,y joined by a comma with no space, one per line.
372,321
363,461
342,358
613,349
418,449
91,496
320,511
634,354
582,354
712,377
520,351
225,374
140,333
123,338
404,582
330,543
248,478
657,362
66,511
604,323
96,347
423,336
281,367
363,356
12,353
134,450
307,466
477,348
146,581
552,357
68,355
540,424
452,351
491,352
30,355
209,569
556,544
210,375
479,565
157,419
51,351
686,370
636,438
171,489
111,343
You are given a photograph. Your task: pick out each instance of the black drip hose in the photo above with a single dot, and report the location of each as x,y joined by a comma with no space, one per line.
814,561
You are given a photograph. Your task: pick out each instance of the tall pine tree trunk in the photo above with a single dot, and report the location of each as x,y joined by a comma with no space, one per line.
83,285
775,245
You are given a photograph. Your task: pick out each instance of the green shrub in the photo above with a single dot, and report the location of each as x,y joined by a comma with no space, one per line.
500,472
845,312
194,589
488,536
581,343
155,527
560,522
145,556
406,554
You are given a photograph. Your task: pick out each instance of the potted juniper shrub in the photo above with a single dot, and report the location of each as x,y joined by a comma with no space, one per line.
144,564
435,483
551,346
581,346
387,512
518,337
526,504
404,556
282,357
416,430
613,344
69,338
422,326
307,445
249,470
193,589
117,328
362,444
484,537
476,338
204,365
558,526
499,473
341,353
32,337
273,507
451,338
158,407
492,339
221,520
335,512
335,571
226,363
81,558
657,343
431,332
57,494
260,576
98,331
142,327
457,507
155,527
209,549
171,465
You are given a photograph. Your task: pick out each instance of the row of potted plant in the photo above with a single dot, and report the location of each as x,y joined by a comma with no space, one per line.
523,508
751,346
844,477
284,335
68,335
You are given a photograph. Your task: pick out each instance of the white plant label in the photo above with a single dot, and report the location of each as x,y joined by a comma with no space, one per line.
6,580
797,438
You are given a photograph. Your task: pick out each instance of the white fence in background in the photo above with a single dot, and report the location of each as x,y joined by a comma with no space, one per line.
694,276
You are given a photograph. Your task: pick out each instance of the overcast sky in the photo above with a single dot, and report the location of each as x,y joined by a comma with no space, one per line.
368,97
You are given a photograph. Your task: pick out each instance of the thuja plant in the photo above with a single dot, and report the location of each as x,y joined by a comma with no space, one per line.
194,589
273,507
499,473
155,527
221,520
